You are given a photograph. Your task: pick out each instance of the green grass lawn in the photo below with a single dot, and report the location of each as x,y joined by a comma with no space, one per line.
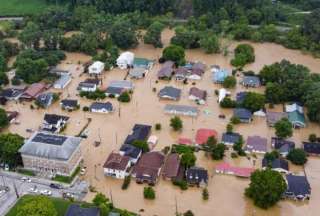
21,7
60,205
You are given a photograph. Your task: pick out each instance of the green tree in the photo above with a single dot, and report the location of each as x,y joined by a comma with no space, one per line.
153,34
37,205
104,209
3,79
124,97
100,199
149,193
188,159
30,36
254,101
230,82
188,213
218,152
227,102
123,34
3,63
143,145
312,138
186,38
283,128
266,188
174,53
9,148
176,123
32,71
229,128
297,156
243,54
275,93
210,43
4,122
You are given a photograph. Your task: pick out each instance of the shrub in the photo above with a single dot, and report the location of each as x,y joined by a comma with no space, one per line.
230,82
235,120
126,182
176,123
228,103
205,194
182,184
149,193
85,109
297,156
158,126
124,97
312,137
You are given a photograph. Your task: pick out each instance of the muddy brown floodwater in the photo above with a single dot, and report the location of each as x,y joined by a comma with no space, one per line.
226,192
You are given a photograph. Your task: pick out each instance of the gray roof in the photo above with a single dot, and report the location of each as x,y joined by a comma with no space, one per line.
256,143
242,113
121,84
251,81
230,137
170,92
51,146
274,117
45,99
276,163
137,72
63,80
77,210
298,185
114,90
181,109
98,106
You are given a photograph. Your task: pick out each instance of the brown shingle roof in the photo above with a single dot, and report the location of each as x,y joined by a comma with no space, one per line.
198,93
117,162
149,164
171,166
34,90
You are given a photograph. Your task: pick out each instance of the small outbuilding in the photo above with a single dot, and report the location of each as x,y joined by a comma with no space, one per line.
125,60
96,68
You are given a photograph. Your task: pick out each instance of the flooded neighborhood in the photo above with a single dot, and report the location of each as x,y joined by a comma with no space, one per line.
110,131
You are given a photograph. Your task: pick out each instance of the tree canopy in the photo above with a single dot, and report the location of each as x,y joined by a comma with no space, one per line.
266,188
174,53
3,118
37,205
243,54
283,128
254,101
297,156
9,147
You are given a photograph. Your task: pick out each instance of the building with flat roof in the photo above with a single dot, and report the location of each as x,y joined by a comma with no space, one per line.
51,153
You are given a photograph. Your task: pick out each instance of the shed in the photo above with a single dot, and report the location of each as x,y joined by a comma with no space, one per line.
96,68
125,60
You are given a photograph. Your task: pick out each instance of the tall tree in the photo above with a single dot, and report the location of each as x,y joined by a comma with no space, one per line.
9,147
30,36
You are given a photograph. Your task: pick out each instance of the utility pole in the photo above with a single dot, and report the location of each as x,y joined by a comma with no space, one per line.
15,189
110,192
176,204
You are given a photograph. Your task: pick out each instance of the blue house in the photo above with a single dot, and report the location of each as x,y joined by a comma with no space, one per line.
219,75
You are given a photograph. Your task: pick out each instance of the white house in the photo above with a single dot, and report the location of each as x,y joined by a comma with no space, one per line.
87,87
222,94
99,107
62,82
125,60
96,68
117,166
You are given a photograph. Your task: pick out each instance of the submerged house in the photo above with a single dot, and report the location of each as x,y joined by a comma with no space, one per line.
283,146
181,110
100,107
122,84
296,115
45,100
11,93
114,91
167,70
33,91
197,176
280,165
226,168
96,68
54,123
117,166
198,95
256,144
311,148
51,153
148,168
170,93
139,132
298,187
69,104
243,114
125,60
274,117
171,167
131,151
251,81
62,82
203,134
230,138
219,75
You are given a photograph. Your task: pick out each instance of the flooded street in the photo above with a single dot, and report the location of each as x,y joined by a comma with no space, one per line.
226,192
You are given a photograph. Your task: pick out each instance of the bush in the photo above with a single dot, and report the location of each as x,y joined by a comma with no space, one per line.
143,145
235,120
126,182
85,109
228,103
158,126
124,97
149,193
98,94
176,123
183,185
312,137
230,82
205,194
297,156
188,213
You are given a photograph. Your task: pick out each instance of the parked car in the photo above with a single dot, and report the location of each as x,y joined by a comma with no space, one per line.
25,179
33,190
46,192
83,171
67,195
56,186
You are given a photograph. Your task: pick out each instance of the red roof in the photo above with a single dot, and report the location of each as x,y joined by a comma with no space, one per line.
184,141
203,135
237,171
